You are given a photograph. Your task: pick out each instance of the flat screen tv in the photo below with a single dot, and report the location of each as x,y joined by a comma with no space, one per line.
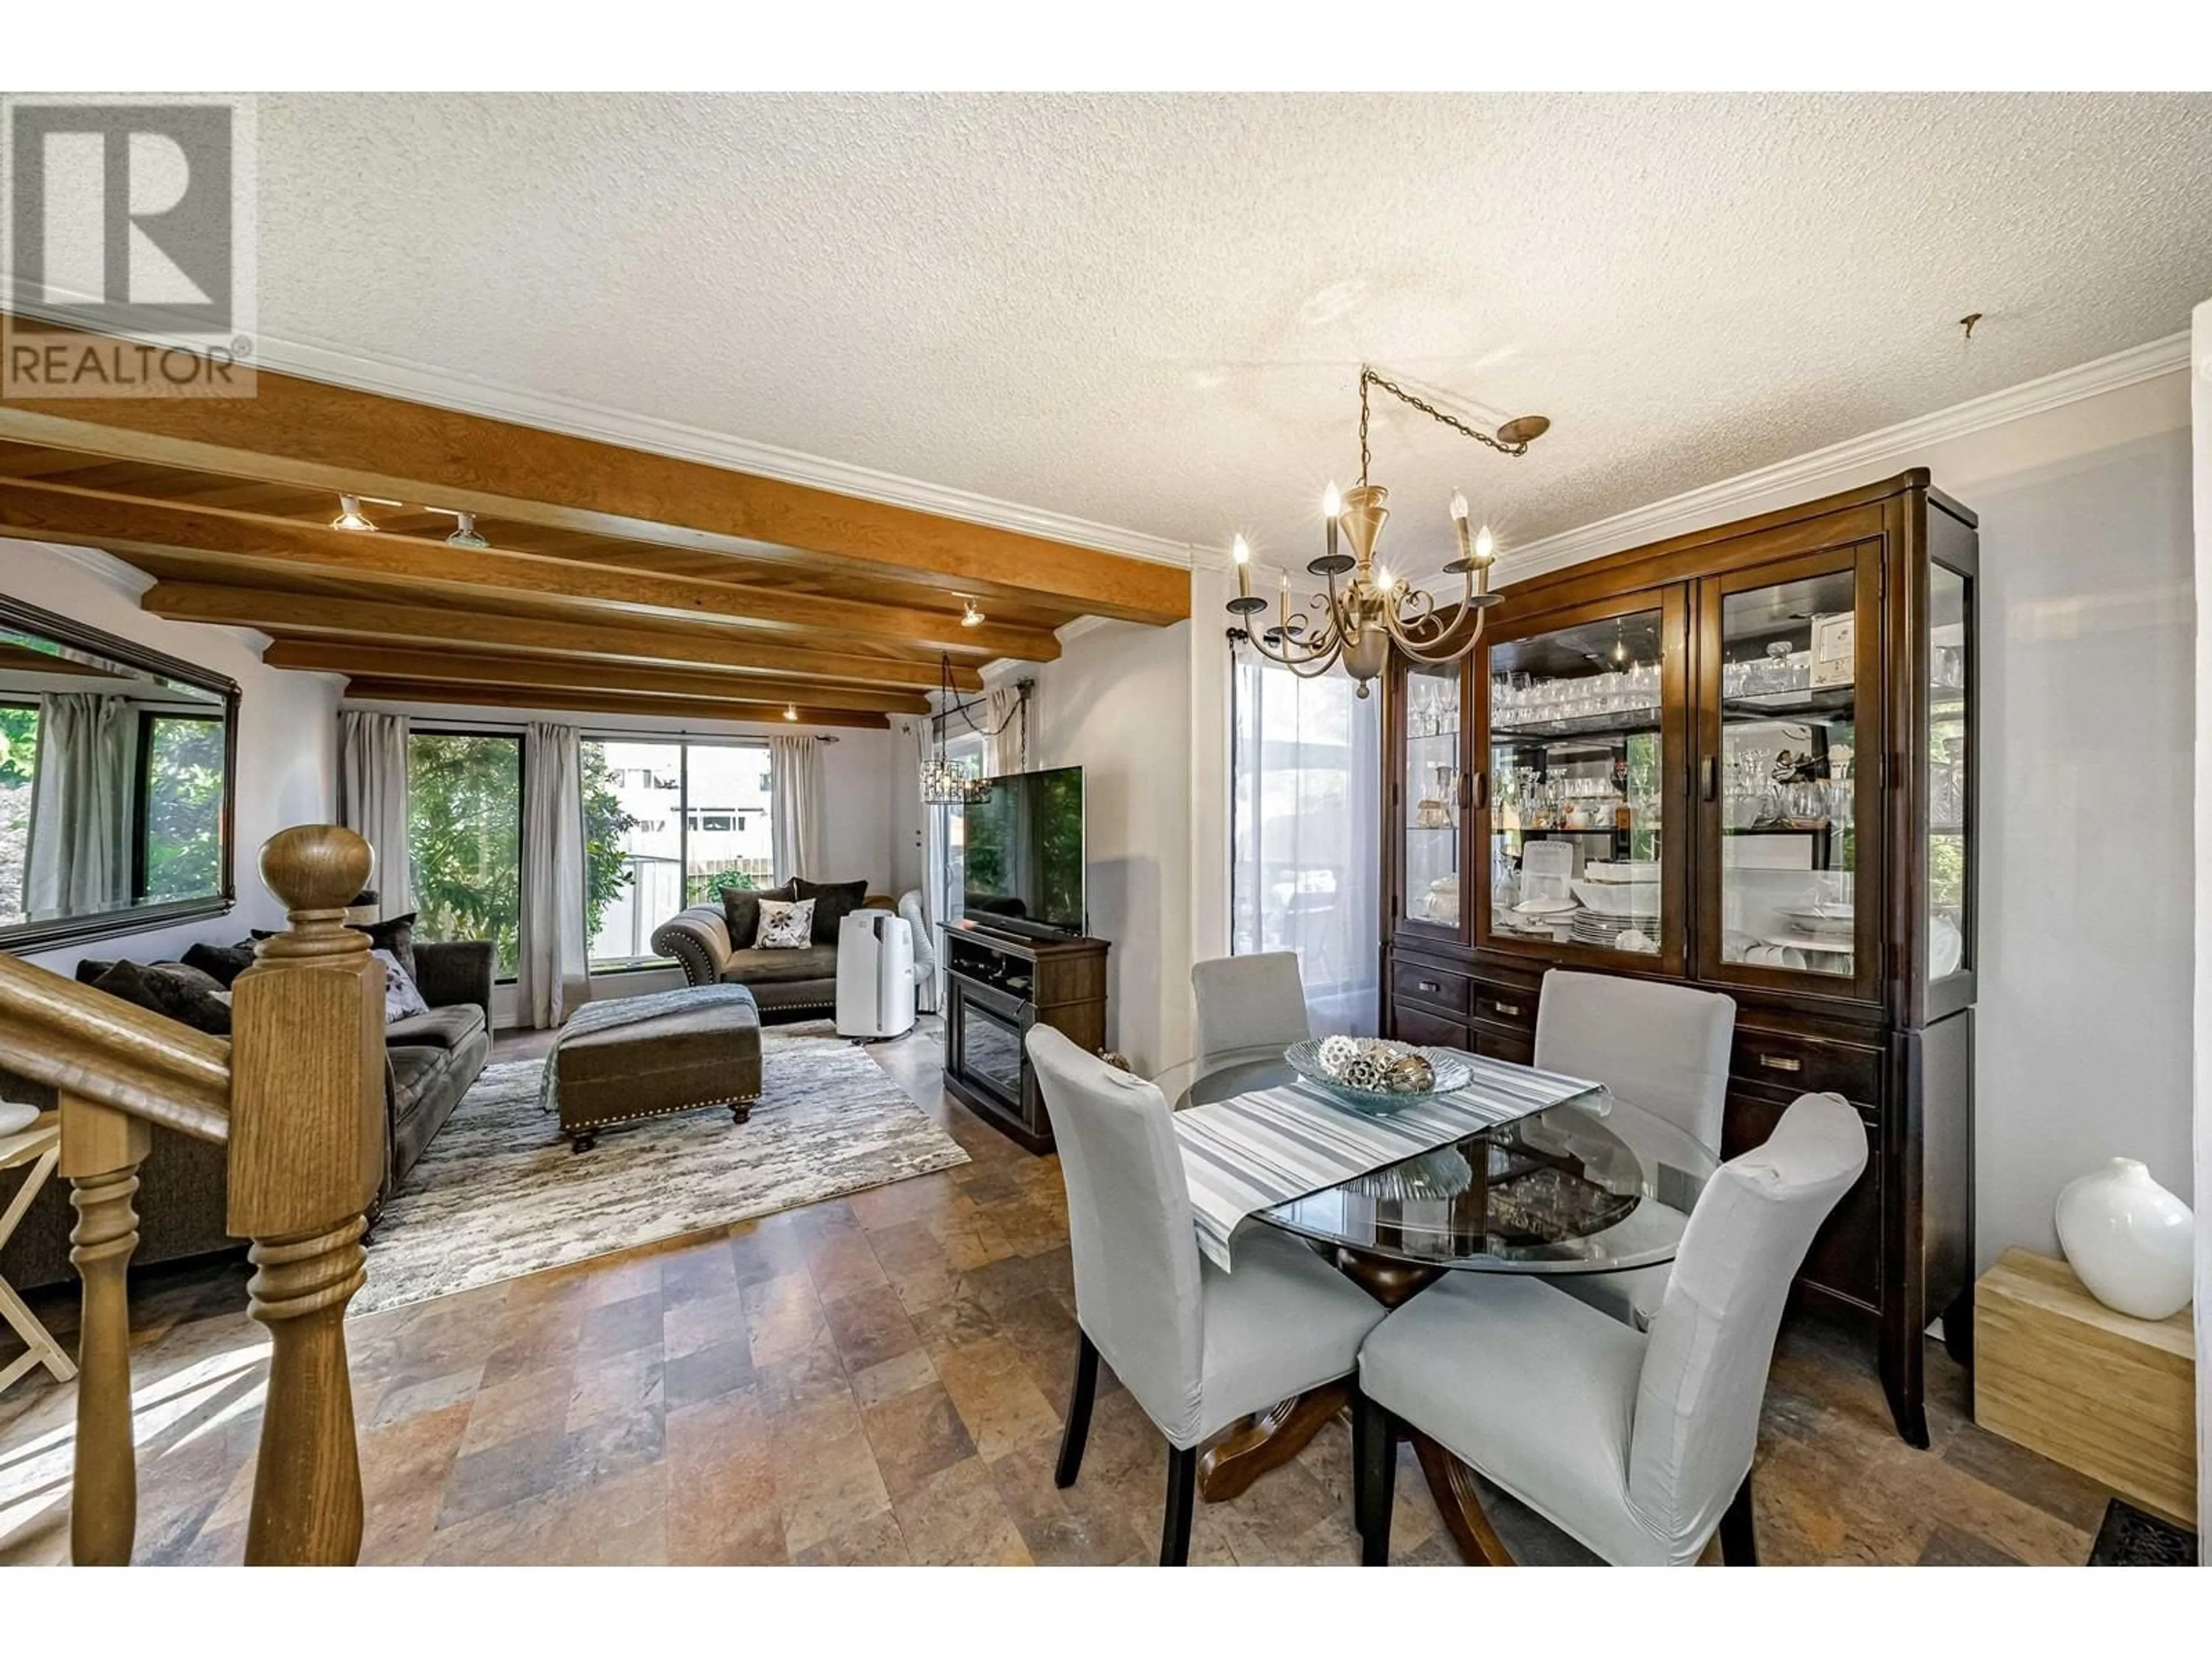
1022,849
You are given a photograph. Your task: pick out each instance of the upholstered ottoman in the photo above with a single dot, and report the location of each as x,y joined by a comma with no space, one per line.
704,1051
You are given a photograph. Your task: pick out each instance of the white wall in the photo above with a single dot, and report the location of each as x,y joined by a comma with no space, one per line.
1118,704
287,733
2083,1048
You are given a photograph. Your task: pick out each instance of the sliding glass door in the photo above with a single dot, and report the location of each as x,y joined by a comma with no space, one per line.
667,823
1305,818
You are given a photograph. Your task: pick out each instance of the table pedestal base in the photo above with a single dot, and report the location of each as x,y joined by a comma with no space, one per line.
1272,1437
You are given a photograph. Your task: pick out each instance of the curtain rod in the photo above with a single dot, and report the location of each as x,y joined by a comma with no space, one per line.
455,722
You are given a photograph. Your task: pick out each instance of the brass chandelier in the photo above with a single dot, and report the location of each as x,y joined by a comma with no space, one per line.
1359,622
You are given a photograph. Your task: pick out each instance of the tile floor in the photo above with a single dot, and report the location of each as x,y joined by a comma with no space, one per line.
880,1379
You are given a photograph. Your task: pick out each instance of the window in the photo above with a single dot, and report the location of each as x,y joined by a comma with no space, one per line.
964,753
18,765
667,823
178,850
1305,822
464,838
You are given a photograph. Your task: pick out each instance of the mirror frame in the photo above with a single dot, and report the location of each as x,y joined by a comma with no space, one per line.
40,935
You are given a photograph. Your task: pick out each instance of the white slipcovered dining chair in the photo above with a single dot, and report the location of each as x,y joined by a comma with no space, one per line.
1196,1348
1249,1007
1636,1444
1662,1048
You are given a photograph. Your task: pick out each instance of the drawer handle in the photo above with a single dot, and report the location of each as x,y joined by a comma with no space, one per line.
1428,985
1510,1010
1781,1063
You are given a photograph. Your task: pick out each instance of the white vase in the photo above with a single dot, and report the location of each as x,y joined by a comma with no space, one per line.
2132,1241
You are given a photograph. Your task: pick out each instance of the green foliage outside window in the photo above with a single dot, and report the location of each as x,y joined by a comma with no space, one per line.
465,839
19,747
606,866
184,807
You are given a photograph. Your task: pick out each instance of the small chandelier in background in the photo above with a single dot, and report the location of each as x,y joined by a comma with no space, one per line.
943,784
1374,610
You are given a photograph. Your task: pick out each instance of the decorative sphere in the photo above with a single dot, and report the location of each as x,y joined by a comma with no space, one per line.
1336,1052
1411,1074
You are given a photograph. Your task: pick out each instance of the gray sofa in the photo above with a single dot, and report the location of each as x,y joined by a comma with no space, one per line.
786,985
429,1060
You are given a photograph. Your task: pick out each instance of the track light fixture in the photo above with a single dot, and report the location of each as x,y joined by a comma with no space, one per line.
969,615
465,527
350,517
791,711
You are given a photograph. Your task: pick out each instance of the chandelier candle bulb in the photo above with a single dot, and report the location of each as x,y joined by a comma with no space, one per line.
1332,504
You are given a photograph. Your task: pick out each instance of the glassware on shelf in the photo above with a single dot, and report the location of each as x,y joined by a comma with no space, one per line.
1786,809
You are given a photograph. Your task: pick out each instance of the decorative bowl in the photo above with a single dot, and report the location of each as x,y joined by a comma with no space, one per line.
1357,1069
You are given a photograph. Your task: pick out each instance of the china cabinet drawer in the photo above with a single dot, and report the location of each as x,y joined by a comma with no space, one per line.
1415,981
1511,1010
1801,1065
1431,1030
1493,1042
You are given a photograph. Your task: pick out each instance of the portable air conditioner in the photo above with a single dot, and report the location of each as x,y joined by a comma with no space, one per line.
875,975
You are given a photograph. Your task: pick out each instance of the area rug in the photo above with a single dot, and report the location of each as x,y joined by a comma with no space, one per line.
500,1195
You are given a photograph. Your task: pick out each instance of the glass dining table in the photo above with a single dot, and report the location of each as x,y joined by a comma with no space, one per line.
1592,1185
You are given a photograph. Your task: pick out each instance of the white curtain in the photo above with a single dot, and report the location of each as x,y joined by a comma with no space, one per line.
553,979
1305,815
1005,721
79,858
934,831
794,806
373,799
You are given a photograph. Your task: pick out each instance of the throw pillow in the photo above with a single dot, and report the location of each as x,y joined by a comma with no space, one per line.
402,1000
833,902
184,994
223,963
90,970
786,926
741,910
396,935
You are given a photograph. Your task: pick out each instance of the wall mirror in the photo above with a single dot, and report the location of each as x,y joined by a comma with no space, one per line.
116,772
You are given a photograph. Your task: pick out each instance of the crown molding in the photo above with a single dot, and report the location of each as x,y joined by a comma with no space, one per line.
420,383
1714,503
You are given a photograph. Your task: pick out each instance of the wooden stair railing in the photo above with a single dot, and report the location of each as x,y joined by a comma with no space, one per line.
298,1095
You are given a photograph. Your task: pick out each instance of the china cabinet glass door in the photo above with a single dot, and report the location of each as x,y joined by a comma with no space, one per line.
1950,806
1581,749
1789,775
1430,791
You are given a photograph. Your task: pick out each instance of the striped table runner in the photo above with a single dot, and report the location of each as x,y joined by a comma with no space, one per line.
1258,1150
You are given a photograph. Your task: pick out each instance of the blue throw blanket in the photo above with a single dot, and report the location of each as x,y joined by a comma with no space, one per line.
630,1011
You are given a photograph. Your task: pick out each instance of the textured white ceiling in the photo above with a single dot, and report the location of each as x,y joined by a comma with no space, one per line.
1149,311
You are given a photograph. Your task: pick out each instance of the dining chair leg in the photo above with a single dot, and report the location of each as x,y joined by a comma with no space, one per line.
1739,1544
1080,1396
1373,1478
1182,1495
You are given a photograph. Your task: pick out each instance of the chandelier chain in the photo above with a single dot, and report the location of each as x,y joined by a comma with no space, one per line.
1367,377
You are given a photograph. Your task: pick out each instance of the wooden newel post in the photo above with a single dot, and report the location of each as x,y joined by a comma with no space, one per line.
101,1151
307,1147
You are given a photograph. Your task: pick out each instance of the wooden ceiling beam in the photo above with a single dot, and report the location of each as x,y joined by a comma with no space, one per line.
426,692
86,518
366,621
556,675
336,438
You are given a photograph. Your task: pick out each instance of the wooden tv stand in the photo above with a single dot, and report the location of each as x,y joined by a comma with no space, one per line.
997,985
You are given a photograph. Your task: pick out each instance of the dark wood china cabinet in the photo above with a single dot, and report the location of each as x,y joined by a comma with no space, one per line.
1741,759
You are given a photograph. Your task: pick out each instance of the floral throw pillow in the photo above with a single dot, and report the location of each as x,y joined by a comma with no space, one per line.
785,927
402,1000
